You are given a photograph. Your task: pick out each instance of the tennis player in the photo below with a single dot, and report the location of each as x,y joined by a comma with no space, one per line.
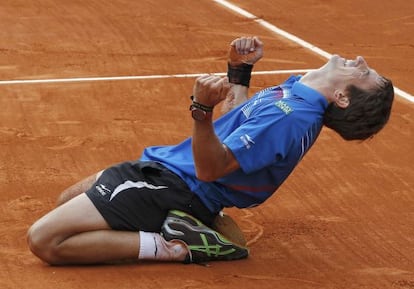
162,206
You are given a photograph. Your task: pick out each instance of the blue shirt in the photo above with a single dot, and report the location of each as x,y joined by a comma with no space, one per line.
268,134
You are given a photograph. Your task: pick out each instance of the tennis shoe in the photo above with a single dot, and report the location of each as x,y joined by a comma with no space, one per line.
203,243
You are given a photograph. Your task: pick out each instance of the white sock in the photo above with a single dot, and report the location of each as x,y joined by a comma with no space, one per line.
147,246
153,247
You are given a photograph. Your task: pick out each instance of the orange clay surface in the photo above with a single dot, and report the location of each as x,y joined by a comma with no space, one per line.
345,217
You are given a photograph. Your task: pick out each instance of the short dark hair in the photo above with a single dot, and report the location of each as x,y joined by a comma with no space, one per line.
366,114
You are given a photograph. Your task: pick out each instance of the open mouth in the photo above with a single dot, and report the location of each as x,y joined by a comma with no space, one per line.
353,63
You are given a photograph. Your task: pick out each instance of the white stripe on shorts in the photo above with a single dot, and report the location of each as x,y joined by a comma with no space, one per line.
129,184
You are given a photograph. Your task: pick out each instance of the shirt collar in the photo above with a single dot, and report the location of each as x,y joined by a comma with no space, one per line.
309,94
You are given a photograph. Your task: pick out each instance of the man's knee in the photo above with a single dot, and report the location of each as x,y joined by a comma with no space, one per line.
42,244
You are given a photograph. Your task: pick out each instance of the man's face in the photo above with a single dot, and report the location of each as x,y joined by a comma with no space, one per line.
342,72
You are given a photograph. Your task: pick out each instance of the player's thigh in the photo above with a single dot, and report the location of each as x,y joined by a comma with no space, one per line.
77,189
73,217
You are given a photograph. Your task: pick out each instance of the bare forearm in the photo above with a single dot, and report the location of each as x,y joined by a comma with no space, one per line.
208,152
212,159
237,95
243,54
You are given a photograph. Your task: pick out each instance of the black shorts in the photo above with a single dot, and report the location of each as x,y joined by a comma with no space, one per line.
136,196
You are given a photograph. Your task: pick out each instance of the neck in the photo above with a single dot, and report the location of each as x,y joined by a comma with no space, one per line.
318,82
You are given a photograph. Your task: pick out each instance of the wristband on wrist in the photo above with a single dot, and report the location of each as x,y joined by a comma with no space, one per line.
239,74
201,106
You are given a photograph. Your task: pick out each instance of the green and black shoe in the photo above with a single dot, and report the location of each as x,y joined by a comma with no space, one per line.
204,243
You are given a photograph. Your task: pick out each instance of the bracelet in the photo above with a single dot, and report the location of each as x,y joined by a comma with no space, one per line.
239,74
201,106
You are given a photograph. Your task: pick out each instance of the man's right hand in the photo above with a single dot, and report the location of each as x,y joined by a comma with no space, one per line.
245,50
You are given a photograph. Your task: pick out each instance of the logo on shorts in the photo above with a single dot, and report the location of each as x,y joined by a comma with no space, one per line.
138,185
102,189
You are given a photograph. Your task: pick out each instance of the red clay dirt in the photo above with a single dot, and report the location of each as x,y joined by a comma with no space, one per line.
344,219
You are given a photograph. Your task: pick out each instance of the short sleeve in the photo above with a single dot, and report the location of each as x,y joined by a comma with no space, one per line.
262,139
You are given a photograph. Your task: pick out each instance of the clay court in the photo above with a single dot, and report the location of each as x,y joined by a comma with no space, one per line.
345,217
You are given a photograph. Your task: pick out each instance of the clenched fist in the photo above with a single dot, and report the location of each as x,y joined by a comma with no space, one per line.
209,90
246,50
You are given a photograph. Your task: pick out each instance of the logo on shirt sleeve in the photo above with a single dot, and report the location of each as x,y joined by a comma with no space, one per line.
283,106
247,141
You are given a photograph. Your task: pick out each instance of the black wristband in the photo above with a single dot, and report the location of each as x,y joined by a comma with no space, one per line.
200,106
240,74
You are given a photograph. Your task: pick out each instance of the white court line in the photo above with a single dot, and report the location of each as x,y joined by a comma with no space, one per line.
138,77
234,8
293,38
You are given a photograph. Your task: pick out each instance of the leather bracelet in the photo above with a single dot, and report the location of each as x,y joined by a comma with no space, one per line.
239,74
200,106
